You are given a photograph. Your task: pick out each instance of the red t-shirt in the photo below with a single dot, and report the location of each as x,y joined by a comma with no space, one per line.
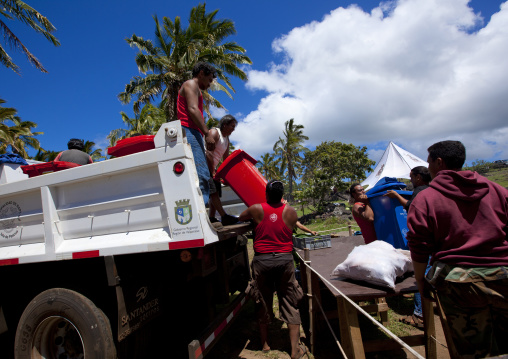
272,234
367,227
182,112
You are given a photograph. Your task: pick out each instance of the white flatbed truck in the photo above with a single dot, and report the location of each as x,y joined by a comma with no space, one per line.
116,259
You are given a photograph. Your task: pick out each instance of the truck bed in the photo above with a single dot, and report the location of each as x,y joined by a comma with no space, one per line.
131,204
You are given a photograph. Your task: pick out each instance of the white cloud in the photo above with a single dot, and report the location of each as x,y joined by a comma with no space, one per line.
412,72
218,113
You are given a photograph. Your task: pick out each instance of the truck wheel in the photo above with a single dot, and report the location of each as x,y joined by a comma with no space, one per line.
63,324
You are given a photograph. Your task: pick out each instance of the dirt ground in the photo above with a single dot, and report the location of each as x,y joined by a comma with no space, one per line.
241,340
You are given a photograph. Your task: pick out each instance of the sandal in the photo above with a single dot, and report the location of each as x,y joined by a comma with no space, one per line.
303,350
412,320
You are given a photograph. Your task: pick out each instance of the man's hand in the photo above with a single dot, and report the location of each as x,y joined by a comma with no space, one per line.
209,142
425,290
363,198
391,194
423,286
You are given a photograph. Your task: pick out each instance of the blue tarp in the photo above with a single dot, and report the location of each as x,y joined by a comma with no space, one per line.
385,184
12,158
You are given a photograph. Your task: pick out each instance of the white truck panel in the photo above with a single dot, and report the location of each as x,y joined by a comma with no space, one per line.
129,204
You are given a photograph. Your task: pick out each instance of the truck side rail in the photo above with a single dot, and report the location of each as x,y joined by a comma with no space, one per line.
130,204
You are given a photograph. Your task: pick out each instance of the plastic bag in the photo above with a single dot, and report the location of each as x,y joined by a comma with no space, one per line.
377,263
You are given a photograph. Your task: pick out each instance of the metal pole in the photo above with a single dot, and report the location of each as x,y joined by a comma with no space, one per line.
308,272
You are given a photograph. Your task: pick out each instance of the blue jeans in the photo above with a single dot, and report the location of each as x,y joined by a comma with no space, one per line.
195,140
418,299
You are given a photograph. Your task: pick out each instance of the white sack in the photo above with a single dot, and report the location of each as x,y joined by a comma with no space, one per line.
378,263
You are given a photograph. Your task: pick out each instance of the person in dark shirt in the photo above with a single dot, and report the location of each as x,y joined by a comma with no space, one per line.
75,153
420,178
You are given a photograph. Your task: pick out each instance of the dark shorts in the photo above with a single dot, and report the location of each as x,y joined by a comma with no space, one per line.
277,273
215,187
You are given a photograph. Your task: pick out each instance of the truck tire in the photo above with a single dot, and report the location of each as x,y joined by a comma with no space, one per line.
62,324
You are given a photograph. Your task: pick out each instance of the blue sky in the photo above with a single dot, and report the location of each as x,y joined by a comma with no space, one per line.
412,71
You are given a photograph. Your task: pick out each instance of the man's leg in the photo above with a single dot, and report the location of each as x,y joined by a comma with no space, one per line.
215,203
498,290
264,311
469,318
294,337
289,294
211,207
195,140
263,333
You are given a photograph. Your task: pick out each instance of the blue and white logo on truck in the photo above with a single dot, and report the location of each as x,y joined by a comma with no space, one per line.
183,211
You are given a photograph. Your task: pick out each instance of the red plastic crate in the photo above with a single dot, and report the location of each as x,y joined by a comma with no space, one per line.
47,167
240,173
132,145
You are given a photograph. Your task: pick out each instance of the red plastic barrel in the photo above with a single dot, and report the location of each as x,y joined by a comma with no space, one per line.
240,173
132,145
47,167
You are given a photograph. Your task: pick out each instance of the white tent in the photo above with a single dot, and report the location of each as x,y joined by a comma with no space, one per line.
395,162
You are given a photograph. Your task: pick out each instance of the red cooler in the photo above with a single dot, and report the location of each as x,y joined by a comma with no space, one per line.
240,173
38,169
132,145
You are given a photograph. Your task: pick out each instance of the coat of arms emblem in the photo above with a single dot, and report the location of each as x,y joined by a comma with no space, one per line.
183,211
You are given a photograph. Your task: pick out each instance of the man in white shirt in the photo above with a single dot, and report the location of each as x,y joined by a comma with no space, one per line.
227,125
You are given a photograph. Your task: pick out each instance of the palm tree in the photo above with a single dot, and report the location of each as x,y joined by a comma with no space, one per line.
268,166
18,136
212,122
288,149
167,62
16,9
45,156
5,114
96,154
147,122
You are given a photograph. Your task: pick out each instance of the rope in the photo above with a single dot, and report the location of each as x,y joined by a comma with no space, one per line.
367,315
437,341
329,230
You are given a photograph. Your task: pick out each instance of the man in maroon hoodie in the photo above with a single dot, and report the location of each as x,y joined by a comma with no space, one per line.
461,222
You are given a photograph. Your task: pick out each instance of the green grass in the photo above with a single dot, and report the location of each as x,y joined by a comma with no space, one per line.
330,225
499,175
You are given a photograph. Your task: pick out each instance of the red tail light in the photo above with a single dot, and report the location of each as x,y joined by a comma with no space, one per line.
178,168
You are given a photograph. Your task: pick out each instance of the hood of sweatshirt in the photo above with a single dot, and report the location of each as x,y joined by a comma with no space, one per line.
464,185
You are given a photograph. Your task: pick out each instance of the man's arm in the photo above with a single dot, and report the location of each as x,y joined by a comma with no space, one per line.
364,211
289,217
209,154
393,194
305,229
420,240
423,286
190,91
226,154
254,212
